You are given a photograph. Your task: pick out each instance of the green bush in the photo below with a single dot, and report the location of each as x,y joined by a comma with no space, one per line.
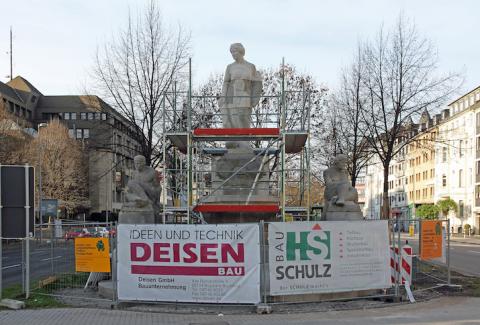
427,211
444,206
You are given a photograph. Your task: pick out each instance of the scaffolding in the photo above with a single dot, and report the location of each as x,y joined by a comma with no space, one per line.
194,144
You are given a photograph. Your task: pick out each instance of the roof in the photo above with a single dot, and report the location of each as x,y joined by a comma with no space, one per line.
464,95
23,84
10,92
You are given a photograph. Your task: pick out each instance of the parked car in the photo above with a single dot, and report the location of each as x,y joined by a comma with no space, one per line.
104,232
77,233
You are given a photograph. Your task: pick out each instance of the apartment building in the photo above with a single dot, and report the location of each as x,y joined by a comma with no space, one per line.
441,161
106,134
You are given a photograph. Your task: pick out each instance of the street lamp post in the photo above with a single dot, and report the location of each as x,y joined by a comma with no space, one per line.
40,193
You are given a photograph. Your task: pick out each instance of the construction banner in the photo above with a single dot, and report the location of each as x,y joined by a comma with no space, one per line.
189,263
328,256
430,239
92,255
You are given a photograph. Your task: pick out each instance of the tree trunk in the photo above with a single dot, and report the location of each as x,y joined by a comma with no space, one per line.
385,200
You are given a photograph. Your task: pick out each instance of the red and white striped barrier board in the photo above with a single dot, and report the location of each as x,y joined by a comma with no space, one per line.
404,268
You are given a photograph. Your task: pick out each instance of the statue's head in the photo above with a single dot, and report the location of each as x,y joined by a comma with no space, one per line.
238,51
139,162
340,161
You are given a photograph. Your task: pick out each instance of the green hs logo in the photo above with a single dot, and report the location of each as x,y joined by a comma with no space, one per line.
308,245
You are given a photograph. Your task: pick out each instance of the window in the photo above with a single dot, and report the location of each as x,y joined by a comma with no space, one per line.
83,116
444,154
461,209
86,133
444,180
79,133
66,116
104,117
71,133
90,116
460,148
460,178
73,116
477,96
97,116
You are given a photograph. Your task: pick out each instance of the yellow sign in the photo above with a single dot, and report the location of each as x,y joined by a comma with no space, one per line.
92,255
430,239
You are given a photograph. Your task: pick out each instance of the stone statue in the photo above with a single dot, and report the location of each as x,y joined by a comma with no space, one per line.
341,198
142,195
242,87
239,175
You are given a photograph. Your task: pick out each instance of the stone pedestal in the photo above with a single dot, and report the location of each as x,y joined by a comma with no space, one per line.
241,187
136,215
348,212
250,185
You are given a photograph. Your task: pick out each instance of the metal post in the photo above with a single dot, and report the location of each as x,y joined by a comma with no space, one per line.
40,194
189,139
1,237
164,189
114,264
283,176
309,184
282,126
399,259
263,261
189,175
448,253
27,232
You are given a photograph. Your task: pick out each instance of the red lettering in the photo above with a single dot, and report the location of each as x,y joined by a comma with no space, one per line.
187,248
176,253
237,256
205,252
134,252
158,252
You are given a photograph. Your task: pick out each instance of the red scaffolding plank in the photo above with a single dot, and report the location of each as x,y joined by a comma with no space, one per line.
237,131
237,208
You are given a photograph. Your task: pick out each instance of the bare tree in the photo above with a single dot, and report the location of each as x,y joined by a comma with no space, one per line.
136,69
344,125
63,166
13,139
400,81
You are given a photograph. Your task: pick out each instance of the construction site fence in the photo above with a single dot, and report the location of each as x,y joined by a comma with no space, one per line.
50,268
52,262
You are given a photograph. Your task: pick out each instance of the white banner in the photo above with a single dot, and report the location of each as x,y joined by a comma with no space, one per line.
328,256
191,263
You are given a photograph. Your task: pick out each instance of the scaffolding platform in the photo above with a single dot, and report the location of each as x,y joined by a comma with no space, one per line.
294,140
237,208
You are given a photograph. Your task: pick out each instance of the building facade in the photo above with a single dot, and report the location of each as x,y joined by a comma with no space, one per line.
441,161
106,135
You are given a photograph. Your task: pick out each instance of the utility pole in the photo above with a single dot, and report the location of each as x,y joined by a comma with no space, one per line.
11,54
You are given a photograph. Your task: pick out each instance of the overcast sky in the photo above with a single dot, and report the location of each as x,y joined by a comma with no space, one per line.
55,40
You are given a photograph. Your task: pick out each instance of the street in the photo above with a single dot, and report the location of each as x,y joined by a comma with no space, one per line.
40,261
464,257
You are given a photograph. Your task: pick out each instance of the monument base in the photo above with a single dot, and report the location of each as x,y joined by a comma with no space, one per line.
350,211
238,217
135,215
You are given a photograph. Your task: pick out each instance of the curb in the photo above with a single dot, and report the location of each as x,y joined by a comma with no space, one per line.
464,242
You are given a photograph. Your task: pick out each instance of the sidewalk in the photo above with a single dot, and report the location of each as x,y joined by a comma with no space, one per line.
445,310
